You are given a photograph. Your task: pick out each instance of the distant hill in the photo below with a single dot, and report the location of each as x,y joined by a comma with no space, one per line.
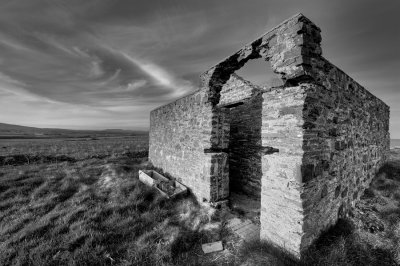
395,143
9,131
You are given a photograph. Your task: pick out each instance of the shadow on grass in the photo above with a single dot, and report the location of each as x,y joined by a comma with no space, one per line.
387,184
391,169
264,253
340,245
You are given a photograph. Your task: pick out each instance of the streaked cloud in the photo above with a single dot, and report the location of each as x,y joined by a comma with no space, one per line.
106,63
162,77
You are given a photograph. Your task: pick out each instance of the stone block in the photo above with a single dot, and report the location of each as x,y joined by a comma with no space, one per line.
212,247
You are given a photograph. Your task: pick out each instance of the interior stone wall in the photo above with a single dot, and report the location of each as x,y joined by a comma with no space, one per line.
236,91
244,102
245,148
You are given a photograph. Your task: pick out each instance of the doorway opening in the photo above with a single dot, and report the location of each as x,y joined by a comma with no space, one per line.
245,137
245,158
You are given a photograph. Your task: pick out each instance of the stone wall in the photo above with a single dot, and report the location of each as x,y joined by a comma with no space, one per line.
346,138
180,136
288,48
308,148
189,140
281,194
332,137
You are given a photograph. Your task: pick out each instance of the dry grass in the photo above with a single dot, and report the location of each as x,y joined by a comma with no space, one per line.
371,235
92,210
73,148
96,212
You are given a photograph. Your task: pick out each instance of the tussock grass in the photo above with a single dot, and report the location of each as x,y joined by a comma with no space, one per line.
343,244
371,236
93,211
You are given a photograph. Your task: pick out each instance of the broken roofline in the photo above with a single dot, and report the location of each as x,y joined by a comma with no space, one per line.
248,83
290,48
306,74
297,16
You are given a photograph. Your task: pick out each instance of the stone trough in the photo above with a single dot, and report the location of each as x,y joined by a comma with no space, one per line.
168,188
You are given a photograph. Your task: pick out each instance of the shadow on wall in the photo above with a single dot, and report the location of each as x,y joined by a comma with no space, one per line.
245,140
245,152
344,142
376,239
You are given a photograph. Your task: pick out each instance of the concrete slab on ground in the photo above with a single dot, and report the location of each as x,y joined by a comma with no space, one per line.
244,228
212,247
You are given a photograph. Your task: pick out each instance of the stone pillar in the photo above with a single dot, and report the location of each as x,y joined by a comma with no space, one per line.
281,191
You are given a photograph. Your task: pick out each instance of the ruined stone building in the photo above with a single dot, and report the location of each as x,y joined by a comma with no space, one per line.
306,149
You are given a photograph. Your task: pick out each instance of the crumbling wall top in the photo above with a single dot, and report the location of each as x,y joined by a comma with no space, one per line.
289,48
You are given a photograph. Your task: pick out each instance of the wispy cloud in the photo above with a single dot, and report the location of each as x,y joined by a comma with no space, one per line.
107,63
162,77
16,88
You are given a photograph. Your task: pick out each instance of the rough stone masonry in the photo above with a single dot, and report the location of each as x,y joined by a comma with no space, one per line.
306,149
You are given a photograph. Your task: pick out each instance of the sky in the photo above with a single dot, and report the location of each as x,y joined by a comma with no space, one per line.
106,64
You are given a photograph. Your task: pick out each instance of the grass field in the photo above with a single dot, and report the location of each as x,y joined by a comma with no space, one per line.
88,208
77,149
80,203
